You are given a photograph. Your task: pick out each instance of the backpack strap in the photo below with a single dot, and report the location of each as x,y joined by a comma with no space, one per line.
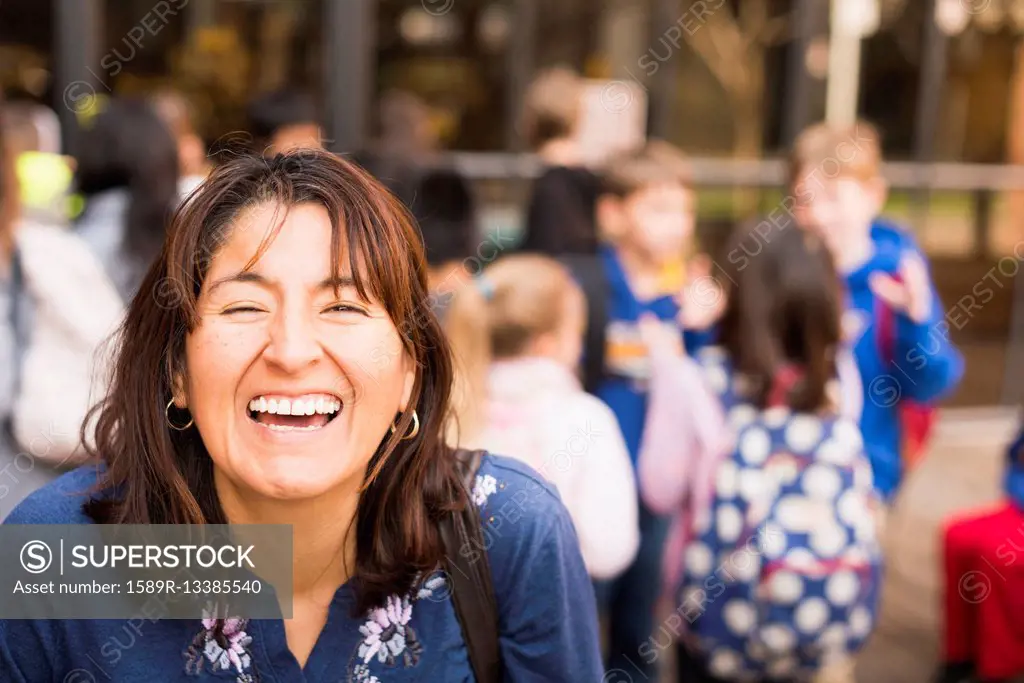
471,584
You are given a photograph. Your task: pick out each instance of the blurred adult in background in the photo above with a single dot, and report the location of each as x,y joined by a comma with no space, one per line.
405,145
176,113
128,175
43,173
283,120
560,218
404,158
57,308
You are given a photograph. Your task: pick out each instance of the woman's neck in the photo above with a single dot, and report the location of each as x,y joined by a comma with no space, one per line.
323,533
642,272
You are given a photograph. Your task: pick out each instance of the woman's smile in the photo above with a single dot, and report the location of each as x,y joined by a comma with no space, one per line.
308,412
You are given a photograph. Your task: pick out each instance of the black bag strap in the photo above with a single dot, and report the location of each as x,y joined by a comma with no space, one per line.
470,574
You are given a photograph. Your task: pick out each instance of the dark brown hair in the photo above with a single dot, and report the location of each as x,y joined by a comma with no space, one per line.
783,309
162,476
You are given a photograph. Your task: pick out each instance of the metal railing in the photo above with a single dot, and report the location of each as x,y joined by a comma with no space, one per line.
713,172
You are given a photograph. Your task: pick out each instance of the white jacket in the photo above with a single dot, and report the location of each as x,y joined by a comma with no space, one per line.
64,371
538,413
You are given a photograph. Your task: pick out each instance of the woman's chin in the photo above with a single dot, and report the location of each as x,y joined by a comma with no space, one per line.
289,478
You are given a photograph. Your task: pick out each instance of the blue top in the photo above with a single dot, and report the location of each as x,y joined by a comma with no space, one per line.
624,387
546,605
924,367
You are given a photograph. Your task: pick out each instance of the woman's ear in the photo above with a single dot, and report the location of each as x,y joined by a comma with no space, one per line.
408,385
178,392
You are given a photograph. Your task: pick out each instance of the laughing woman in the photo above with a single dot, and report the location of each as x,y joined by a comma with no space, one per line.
287,370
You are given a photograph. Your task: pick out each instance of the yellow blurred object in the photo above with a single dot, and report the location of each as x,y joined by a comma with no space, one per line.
45,180
672,278
89,107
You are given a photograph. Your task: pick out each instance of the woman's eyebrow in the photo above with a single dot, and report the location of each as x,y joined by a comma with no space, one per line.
242,276
332,283
340,282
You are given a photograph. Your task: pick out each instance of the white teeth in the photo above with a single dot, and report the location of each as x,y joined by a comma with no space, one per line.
295,406
287,428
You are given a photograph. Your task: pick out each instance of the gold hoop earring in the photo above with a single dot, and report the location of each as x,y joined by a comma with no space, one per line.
167,416
415,427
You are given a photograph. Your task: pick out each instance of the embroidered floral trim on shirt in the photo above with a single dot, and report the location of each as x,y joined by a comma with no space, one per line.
225,645
483,487
388,635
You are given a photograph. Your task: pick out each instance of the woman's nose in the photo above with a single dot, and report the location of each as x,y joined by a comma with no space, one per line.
293,342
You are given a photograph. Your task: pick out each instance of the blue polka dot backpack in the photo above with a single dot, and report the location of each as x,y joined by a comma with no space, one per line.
782,573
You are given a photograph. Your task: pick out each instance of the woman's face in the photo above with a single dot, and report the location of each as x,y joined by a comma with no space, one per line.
292,386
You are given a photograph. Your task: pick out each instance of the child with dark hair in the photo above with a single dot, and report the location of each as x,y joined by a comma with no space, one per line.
284,120
774,559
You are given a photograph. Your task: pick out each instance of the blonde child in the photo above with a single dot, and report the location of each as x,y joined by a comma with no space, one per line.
517,336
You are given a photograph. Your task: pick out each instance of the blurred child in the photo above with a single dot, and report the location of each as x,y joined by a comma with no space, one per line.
646,216
525,316
983,555
561,215
894,321
193,162
284,120
774,557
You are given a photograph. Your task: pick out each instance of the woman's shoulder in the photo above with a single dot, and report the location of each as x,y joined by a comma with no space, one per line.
519,507
501,479
59,501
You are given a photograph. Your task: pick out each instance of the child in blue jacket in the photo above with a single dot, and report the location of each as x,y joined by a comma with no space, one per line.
894,321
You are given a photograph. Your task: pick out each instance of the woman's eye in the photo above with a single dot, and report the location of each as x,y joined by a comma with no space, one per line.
242,309
345,308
